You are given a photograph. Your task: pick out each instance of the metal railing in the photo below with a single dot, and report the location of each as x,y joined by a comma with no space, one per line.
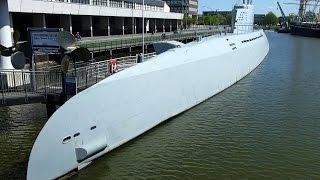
107,44
243,28
26,83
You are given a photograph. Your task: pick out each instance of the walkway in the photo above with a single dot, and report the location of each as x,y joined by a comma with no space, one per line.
25,87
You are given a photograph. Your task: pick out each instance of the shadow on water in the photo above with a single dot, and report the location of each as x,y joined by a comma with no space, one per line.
19,127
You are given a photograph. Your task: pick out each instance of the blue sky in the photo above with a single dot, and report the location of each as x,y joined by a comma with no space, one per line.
261,6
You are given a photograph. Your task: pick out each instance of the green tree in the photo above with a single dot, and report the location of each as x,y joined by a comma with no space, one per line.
213,20
200,20
206,20
190,20
228,19
222,19
271,19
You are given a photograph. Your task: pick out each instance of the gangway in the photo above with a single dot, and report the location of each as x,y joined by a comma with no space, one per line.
48,87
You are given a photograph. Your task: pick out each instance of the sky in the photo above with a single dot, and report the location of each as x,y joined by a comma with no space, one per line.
261,6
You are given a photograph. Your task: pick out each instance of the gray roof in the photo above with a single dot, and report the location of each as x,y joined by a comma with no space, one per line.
147,2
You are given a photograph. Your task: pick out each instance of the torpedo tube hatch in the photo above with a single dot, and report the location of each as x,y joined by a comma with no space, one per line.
89,144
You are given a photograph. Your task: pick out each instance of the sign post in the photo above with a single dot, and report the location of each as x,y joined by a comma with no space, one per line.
42,40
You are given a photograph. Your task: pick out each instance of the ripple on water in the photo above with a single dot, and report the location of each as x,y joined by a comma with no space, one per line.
19,126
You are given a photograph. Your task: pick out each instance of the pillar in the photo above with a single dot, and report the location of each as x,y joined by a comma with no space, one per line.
135,26
177,24
70,20
87,25
39,20
163,26
147,24
91,28
132,25
170,25
122,23
66,22
155,25
108,23
5,33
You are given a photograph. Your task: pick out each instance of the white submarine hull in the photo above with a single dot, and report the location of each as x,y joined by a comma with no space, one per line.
129,103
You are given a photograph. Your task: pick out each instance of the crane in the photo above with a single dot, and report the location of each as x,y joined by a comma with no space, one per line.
285,22
316,4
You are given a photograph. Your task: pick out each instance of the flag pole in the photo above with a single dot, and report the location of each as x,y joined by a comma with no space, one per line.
142,31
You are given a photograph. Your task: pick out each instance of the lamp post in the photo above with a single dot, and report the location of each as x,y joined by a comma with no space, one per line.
142,31
132,23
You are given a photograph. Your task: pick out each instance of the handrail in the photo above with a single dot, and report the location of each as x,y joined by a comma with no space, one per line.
24,83
114,43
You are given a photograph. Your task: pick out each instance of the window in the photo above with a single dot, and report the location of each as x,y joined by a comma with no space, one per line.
128,5
81,1
115,4
100,2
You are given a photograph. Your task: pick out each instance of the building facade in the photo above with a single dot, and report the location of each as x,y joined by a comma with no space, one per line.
189,7
259,19
92,17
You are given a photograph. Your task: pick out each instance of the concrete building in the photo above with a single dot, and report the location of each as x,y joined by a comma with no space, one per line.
259,19
189,7
92,17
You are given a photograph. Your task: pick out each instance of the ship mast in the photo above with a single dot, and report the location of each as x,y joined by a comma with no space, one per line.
302,8
303,4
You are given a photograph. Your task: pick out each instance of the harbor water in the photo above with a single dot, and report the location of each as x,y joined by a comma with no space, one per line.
265,126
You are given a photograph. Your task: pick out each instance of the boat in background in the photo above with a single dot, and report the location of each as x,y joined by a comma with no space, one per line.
307,22
131,102
307,29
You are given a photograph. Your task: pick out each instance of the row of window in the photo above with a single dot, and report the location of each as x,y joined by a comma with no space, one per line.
100,2
179,8
80,1
178,2
148,8
117,4
252,39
